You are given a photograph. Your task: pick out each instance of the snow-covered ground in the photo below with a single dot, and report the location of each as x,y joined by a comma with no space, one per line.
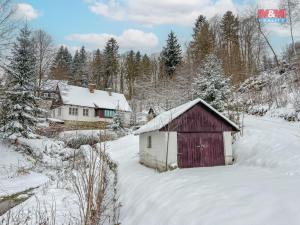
261,188
271,143
15,174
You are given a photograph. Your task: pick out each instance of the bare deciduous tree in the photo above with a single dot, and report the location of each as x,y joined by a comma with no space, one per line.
44,52
293,14
7,25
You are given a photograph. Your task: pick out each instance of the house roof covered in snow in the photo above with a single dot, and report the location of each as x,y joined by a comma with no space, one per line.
79,96
166,117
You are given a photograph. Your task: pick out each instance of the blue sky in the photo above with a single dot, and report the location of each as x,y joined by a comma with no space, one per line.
136,24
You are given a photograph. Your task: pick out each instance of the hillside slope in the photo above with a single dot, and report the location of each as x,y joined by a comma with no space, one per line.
273,94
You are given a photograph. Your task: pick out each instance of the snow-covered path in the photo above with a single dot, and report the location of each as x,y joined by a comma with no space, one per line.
262,188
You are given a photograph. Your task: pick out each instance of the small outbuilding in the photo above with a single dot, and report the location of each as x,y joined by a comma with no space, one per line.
191,135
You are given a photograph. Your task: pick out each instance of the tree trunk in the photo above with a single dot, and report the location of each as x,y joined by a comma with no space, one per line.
291,28
268,43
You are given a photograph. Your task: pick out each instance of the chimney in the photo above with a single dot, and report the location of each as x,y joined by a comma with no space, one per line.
92,88
109,91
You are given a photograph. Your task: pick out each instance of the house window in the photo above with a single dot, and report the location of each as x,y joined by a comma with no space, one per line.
108,113
85,112
96,113
149,142
59,112
73,111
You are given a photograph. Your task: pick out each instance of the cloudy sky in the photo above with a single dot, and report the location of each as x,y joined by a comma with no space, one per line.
136,24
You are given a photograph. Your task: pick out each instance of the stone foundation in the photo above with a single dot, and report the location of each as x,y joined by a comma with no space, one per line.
82,125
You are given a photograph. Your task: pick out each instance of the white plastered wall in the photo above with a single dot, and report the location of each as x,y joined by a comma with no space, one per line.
65,114
155,156
227,138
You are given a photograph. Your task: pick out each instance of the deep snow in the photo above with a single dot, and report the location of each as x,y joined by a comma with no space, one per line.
257,190
15,174
261,188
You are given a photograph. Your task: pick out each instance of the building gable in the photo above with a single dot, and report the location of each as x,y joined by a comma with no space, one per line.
198,118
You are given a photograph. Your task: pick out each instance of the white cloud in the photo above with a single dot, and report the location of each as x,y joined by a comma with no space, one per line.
129,39
110,10
25,11
155,12
281,31
268,4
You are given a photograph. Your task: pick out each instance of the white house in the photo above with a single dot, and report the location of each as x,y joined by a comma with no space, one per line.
191,135
89,105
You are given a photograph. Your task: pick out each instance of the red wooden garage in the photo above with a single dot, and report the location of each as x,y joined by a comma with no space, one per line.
202,136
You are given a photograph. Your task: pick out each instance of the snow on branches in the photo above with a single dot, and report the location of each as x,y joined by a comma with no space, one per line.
210,84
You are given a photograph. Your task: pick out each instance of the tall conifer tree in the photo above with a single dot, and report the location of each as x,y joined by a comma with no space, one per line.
171,54
211,85
19,100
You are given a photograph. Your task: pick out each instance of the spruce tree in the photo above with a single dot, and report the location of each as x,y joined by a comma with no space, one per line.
211,85
97,69
131,71
19,99
76,69
62,65
198,25
231,56
110,56
203,40
80,68
84,79
171,54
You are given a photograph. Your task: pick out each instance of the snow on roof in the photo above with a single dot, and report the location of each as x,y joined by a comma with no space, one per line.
166,117
73,95
51,85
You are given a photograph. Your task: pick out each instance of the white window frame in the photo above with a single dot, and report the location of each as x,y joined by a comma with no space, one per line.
73,111
85,112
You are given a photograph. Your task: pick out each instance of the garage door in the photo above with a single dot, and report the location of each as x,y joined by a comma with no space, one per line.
200,149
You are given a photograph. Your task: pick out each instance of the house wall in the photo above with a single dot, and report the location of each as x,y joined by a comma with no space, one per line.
65,114
91,118
155,156
227,138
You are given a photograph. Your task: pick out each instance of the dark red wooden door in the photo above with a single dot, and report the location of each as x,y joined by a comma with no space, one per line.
200,149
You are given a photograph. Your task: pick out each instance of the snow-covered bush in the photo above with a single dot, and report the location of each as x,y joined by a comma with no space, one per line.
76,142
117,123
211,84
273,94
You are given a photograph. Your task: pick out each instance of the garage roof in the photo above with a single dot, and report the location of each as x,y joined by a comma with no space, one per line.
166,117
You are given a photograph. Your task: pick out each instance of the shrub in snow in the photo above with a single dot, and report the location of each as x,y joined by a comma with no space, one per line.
211,85
76,142
96,188
21,109
117,123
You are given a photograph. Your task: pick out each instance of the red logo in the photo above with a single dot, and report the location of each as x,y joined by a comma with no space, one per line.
272,15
